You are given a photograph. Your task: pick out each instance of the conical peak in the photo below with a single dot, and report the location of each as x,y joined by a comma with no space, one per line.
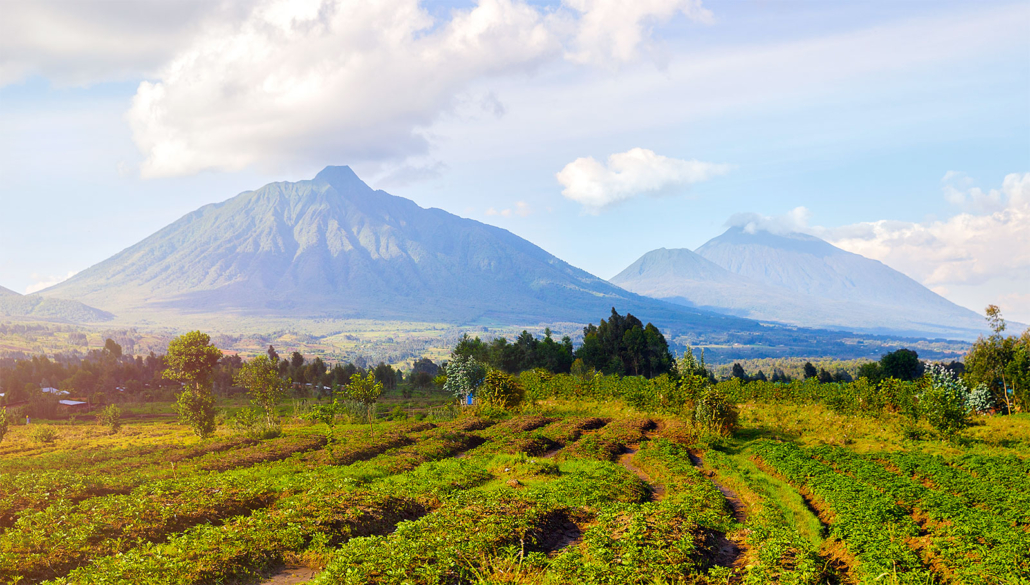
341,178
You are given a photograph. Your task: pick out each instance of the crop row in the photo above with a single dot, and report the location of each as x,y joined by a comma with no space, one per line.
610,441
480,535
1007,470
535,435
62,536
869,523
121,459
332,510
1012,504
34,491
975,546
672,540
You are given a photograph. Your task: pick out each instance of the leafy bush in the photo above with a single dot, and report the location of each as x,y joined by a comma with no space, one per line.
501,390
714,412
197,410
243,421
945,401
110,417
464,375
981,399
4,423
43,434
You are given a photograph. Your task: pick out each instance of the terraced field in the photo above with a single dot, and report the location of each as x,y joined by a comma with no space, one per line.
560,495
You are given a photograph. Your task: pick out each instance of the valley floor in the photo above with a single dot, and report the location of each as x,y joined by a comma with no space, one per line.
563,492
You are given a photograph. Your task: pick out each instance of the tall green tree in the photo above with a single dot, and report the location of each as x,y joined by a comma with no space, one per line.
902,364
1001,363
260,377
624,345
191,359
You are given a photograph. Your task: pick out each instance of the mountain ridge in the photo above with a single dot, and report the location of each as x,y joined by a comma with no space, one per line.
333,247
797,279
14,304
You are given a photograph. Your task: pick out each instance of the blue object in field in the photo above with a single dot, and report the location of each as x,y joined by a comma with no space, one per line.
468,400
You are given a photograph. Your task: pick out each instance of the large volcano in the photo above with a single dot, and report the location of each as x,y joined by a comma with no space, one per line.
332,247
797,279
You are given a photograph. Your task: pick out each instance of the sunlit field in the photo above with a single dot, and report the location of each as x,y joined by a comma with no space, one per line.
577,484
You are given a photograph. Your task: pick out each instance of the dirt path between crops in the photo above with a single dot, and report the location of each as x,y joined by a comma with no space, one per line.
626,460
725,552
290,576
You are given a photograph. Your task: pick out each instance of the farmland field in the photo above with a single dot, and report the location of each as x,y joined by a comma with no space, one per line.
567,490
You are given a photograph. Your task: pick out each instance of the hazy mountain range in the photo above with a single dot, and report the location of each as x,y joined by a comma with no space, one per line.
332,247
797,279
13,304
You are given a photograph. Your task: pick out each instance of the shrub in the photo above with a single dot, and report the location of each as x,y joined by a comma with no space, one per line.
244,421
110,417
43,434
197,410
398,413
981,399
4,423
714,412
501,390
945,401
464,375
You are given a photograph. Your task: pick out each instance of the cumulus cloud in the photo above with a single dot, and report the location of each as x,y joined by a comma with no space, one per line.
351,80
630,174
795,220
968,248
959,190
41,282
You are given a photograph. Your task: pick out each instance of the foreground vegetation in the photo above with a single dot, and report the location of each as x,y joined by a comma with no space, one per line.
509,472
563,488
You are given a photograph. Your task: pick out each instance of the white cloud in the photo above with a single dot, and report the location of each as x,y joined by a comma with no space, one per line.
795,220
629,174
959,190
348,80
965,249
613,32
80,42
974,259
41,282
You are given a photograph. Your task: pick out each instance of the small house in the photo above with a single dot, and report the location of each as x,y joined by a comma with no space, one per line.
74,405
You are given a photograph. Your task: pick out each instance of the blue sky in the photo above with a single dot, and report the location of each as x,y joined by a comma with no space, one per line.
901,128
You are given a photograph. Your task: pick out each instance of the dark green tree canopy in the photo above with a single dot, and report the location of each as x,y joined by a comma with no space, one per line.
623,345
810,371
191,358
525,353
112,347
902,364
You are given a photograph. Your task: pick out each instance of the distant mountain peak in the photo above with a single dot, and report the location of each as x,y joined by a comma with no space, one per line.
790,241
800,279
341,178
332,247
